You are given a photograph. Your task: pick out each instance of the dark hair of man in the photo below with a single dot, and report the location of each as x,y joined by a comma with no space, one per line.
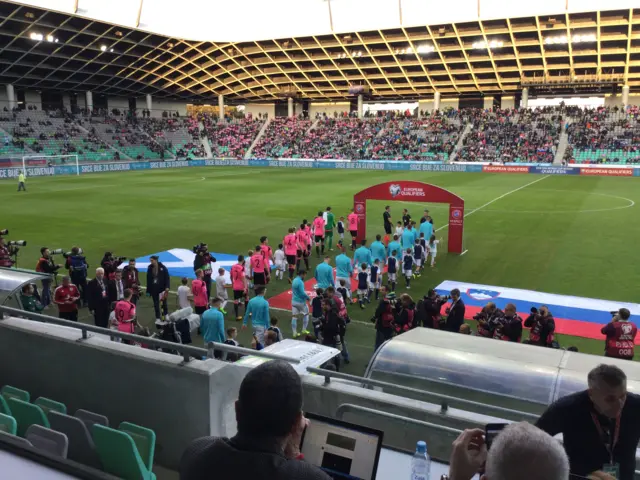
260,290
262,239
363,242
387,207
240,258
269,401
624,314
330,290
258,248
127,292
42,250
378,237
609,374
455,291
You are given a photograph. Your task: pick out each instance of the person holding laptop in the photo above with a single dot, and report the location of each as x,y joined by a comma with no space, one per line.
270,428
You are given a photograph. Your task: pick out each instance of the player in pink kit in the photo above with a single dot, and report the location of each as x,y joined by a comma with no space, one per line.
318,232
239,285
199,291
126,313
304,245
290,250
352,220
267,254
307,228
257,266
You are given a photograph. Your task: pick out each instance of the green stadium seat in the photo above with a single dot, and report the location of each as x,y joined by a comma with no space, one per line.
4,407
8,424
12,392
27,414
145,440
47,405
119,454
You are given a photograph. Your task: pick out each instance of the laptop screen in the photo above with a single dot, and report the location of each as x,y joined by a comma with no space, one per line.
343,450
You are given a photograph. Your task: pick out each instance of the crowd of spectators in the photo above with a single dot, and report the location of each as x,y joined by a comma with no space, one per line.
431,138
341,137
511,135
281,138
231,139
604,135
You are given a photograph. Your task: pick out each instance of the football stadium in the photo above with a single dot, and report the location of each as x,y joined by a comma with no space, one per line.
419,217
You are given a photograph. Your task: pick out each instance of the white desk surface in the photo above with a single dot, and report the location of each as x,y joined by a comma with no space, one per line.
395,465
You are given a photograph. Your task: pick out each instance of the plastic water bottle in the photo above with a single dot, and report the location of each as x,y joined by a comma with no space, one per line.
421,463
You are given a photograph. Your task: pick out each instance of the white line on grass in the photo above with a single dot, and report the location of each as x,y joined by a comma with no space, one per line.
496,199
464,252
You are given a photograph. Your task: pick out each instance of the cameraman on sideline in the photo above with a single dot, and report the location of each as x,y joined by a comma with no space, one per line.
131,278
78,267
621,334
5,255
46,265
509,327
203,261
428,310
489,319
110,265
542,327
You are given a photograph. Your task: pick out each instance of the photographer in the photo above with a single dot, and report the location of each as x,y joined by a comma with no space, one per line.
78,267
384,317
489,319
46,265
158,284
5,255
131,278
509,326
405,313
428,310
203,261
455,313
542,327
621,334
110,265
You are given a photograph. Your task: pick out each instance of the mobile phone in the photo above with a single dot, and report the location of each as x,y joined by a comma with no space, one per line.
491,431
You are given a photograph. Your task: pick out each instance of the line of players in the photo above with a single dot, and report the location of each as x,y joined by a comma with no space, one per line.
406,254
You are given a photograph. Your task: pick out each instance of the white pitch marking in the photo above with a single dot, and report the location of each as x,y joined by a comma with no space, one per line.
496,199
464,252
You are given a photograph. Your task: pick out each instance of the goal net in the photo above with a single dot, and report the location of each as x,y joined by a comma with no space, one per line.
32,161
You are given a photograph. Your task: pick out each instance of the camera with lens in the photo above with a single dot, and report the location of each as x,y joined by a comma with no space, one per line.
199,248
14,246
70,253
120,259
4,232
534,310
56,251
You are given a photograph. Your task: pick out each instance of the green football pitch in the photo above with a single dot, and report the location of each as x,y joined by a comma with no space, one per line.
558,234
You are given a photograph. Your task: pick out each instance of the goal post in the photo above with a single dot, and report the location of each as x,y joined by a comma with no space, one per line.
50,160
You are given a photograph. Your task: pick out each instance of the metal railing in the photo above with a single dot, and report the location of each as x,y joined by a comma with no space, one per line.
327,374
188,352
347,407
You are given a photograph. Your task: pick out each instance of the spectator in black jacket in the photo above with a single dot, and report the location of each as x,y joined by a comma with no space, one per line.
331,326
384,318
158,284
98,298
455,312
270,428
110,265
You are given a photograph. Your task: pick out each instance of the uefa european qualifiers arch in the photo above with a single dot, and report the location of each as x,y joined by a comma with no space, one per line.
407,191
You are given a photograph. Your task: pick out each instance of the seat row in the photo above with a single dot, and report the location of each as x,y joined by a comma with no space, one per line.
85,437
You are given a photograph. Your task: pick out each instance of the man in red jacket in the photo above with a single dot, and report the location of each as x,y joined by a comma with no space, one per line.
621,335
66,297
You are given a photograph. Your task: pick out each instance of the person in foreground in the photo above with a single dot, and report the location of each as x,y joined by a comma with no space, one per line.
600,426
270,427
520,452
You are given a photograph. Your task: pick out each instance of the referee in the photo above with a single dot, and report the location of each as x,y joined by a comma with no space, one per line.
600,426
386,217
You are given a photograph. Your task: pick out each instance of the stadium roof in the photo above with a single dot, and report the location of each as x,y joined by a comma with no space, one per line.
473,49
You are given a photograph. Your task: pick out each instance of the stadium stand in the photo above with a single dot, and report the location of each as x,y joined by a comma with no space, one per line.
431,138
51,133
511,136
231,139
604,135
281,137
